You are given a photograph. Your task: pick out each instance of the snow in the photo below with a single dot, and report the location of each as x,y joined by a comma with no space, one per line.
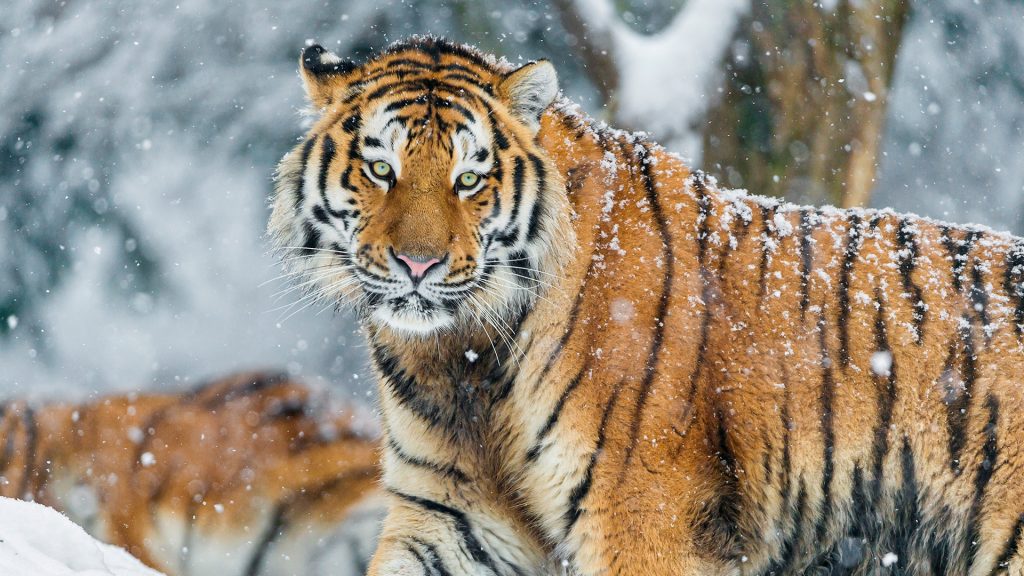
881,363
39,541
889,559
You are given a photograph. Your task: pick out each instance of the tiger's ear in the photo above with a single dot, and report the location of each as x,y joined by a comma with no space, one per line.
529,90
324,74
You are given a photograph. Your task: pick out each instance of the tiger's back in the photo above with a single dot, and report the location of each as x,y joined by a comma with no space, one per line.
845,385
244,475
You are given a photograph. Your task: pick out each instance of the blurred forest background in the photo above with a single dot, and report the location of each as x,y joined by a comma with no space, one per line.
137,141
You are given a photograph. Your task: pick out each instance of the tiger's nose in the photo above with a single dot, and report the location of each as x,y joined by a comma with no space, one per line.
417,266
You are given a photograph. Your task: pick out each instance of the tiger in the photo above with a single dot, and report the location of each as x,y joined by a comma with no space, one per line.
592,359
242,476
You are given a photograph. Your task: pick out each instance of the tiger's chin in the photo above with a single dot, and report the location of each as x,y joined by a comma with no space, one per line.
412,317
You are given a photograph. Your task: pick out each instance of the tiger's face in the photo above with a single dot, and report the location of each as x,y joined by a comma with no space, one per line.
420,194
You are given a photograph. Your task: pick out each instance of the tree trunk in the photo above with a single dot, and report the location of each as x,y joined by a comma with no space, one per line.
804,105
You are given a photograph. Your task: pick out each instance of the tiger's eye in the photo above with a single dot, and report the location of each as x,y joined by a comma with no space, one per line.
468,179
381,168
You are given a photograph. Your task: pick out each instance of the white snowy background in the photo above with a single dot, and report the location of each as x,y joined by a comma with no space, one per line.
137,140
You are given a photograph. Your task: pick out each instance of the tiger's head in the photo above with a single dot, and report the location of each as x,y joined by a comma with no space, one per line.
421,194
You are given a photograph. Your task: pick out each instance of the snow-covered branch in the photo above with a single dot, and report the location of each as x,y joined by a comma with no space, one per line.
661,83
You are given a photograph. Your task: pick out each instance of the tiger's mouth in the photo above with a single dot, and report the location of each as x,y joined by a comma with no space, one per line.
413,313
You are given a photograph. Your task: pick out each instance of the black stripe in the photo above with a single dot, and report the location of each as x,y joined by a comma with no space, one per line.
437,564
518,181
827,434
766,460
31,443
537,210
570,324
1013,283
311,241
654,353
806,260
351,124
579,492
853,241
787,426
722,525
907,261
907,508
473,82
461,524
861,510
791,548
405,388
274,530
703,215
425,66
1010,549
766,252
979,299
300,181
447,470
958,402
427,568
510,235
499,137
538,444
327,151
258,383
987,466
959,251
734,237
400,85
703,231
885,391
399,104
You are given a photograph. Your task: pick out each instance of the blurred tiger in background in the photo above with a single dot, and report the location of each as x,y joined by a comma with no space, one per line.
593,359
251,475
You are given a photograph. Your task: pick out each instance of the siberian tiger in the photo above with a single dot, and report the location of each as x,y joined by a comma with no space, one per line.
593,360
240,477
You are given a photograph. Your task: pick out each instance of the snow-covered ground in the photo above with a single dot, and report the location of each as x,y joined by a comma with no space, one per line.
39,541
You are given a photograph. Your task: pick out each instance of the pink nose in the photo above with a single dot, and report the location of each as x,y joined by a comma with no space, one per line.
417,266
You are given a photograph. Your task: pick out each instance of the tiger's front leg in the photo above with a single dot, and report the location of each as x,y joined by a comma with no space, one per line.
425,537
